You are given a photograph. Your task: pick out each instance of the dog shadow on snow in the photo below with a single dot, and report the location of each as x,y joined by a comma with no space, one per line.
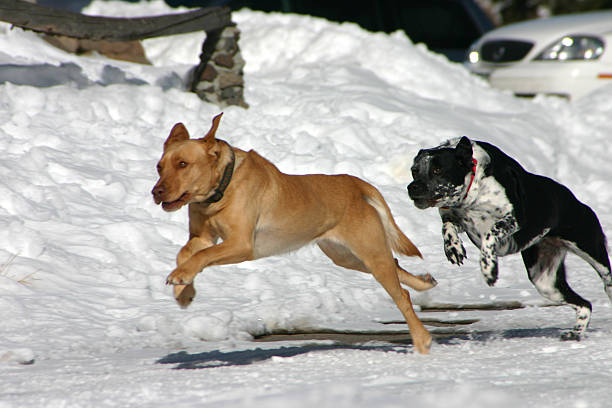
214,359
553,333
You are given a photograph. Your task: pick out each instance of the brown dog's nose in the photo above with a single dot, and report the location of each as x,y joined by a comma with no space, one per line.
157,192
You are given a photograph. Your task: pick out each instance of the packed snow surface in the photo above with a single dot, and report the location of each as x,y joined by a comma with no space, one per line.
87,320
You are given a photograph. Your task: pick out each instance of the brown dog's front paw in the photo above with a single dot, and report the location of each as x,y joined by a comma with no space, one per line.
184,294
180,276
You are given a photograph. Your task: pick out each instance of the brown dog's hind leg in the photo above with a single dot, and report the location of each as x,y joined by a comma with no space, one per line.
342,256
416,282
347,249
385,274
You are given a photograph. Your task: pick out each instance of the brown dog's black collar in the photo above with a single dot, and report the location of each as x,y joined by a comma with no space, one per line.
225,180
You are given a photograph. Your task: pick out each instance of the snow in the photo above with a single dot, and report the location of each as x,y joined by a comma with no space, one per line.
87,320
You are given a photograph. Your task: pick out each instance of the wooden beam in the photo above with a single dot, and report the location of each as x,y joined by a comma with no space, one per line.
59,22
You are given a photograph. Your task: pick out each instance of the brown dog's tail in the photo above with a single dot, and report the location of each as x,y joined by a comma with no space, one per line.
400,243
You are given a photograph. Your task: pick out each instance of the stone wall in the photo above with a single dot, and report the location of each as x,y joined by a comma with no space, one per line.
221,80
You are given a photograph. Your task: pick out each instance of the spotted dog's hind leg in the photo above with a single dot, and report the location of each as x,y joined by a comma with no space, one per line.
545,265
586,239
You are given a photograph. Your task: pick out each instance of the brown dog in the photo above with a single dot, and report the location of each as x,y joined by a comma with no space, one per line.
257,211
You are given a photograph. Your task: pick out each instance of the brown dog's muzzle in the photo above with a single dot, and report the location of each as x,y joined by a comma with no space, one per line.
158,192
160,197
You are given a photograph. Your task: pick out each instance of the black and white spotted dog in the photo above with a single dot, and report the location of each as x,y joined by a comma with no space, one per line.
480,190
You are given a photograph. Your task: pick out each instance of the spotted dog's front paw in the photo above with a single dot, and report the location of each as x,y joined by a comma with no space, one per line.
454,250
453,247
488,267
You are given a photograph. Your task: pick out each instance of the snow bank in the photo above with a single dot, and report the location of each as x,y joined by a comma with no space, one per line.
85,251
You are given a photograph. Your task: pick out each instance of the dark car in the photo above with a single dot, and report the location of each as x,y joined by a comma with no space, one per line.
445,26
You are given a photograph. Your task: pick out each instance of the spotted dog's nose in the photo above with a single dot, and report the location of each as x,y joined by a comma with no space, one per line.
416,189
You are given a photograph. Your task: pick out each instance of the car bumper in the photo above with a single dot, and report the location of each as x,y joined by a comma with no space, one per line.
568,78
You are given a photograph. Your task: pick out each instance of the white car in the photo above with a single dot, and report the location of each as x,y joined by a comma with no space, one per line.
568,55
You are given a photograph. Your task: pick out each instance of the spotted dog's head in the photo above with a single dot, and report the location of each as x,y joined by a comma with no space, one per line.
442,175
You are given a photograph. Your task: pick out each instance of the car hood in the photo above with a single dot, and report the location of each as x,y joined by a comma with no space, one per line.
554,27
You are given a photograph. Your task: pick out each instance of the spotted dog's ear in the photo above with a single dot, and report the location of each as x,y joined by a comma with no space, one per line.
463,151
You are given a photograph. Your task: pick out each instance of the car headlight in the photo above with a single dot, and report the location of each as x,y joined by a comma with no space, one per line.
573,48
473,54
473,57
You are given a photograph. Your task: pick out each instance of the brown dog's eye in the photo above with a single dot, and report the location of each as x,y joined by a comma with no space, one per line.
182,164
159,169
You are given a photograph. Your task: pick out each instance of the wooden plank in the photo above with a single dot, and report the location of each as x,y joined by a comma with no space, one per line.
59,22
436,322
362,336
449,307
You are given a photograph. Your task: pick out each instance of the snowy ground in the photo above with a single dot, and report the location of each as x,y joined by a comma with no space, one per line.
88,322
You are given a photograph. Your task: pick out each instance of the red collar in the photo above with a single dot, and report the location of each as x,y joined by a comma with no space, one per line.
474,163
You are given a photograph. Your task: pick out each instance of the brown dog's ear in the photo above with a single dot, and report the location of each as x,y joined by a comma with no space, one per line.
210,136
178,133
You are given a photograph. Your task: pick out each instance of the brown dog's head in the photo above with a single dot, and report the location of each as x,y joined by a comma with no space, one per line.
189,169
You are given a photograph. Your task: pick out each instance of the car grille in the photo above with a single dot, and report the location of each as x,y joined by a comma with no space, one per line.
499,51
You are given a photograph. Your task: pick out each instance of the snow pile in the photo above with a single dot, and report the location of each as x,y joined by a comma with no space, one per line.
85,251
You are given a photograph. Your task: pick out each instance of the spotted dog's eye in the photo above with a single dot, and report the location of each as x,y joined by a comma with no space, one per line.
182,164
436,171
